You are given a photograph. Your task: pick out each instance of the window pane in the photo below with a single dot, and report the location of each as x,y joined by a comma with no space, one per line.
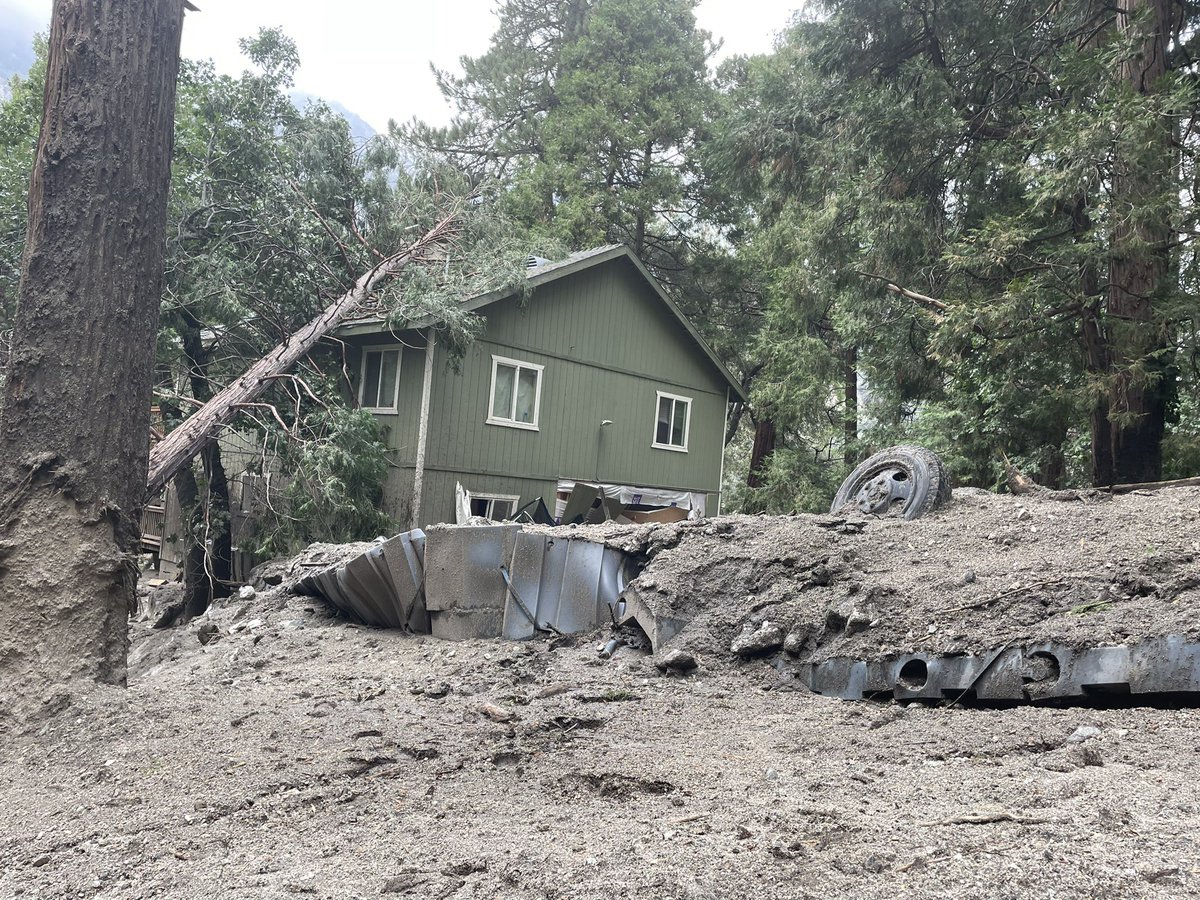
387,381
370,394
662,433
526,394
681,411
502,397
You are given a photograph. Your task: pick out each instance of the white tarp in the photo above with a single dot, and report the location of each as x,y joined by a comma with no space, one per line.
628,495
462,504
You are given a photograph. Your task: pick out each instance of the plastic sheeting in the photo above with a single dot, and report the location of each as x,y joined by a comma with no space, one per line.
627,495
462,504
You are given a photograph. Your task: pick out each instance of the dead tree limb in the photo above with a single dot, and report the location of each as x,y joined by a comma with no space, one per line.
182,444
1154,485
1018,482
923,299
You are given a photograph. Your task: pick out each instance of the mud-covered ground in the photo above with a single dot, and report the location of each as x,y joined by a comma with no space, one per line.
298,754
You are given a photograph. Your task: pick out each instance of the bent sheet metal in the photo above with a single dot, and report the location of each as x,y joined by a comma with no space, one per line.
1030,673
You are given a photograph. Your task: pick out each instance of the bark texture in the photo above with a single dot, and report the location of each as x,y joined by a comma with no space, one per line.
761,450
1138,269
76,414
208,569
850,417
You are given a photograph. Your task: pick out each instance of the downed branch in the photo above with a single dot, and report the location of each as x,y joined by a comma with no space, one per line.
988,814
1018,482
1154,485
178,448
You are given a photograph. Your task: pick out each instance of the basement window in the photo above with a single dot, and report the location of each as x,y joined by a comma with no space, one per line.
672,422
380,382
496,507
516,393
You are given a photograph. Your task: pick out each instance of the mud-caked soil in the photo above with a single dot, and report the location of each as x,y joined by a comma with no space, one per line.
273,749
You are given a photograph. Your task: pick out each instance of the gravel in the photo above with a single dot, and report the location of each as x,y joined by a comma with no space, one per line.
308,756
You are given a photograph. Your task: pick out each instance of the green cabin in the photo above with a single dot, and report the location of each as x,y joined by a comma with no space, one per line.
596,378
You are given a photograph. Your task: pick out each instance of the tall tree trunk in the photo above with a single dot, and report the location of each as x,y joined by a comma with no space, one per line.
208,548
639,227
218,525
1139,262
209,554
75,423
763,447
1096,359
1095,349
850,417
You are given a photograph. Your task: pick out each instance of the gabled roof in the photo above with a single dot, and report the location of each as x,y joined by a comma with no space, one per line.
544,274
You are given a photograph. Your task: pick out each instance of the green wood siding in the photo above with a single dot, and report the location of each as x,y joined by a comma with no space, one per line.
608,345
438,505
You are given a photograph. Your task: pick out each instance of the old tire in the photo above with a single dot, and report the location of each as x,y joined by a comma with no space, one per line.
899,481
944,487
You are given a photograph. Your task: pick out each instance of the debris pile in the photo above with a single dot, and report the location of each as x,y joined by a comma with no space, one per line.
477,581
994,598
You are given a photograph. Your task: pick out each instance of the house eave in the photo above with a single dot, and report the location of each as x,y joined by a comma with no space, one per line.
546,274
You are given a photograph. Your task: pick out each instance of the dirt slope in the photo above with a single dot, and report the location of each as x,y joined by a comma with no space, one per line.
297,754
986,570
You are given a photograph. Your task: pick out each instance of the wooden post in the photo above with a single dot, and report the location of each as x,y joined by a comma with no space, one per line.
423,428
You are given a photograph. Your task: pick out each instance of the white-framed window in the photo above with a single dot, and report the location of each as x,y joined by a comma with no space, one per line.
496,507
380,382
516,393
672,421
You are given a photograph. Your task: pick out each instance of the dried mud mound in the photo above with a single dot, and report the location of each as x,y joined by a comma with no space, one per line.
984,571
273,749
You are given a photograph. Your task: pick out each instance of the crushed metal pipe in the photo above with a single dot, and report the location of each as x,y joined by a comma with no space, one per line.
383,587
1031,673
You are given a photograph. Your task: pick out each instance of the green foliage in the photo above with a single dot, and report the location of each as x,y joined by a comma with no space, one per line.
591,117
20,120
274,213
937,196
585,111
333,483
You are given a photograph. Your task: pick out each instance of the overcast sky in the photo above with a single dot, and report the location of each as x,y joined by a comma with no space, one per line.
373,56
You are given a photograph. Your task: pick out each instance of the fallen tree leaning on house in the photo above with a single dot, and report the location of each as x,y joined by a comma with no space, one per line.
182,444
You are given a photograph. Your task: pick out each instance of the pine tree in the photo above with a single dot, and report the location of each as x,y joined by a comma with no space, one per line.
586,111
982,205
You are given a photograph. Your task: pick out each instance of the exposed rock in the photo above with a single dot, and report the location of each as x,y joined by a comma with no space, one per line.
1082,756
435,690
496,713
749,643
857,621
796,640
1083,733
402,884
677,661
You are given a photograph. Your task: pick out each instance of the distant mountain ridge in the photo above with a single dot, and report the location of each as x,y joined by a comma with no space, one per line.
360,128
